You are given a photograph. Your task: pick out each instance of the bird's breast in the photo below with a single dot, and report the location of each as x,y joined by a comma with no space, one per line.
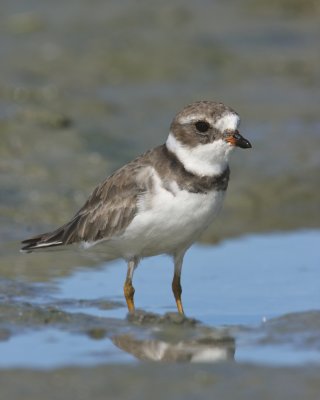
170,219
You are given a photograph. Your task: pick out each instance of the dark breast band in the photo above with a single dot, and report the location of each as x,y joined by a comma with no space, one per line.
170,168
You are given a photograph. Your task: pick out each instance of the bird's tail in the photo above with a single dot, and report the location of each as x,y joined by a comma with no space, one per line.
66,234
45,240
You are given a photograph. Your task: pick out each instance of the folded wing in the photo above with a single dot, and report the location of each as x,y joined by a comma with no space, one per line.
107,212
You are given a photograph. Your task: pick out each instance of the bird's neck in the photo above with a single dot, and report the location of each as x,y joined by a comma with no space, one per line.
204,159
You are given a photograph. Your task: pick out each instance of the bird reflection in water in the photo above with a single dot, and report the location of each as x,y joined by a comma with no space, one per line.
182,340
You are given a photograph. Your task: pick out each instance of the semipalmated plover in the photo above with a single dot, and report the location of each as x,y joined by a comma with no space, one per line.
163,200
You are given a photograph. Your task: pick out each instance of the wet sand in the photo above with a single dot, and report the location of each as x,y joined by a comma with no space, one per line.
164,381
256,327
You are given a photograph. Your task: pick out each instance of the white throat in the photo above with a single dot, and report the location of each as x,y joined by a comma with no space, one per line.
204,159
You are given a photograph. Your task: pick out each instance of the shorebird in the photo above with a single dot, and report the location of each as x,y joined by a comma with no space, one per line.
163,200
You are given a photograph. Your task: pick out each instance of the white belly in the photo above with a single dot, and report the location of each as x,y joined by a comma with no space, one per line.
166,222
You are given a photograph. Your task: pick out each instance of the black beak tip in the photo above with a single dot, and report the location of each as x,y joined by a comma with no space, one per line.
245,144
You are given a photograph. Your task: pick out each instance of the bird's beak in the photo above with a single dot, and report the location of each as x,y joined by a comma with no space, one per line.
234,138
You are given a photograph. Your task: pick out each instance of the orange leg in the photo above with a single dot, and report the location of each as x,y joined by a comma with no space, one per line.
128,289
176,286
177,290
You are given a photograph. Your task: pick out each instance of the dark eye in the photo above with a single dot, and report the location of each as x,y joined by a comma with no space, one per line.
202,126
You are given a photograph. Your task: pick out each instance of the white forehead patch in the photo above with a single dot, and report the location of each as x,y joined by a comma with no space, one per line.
228,121
193,118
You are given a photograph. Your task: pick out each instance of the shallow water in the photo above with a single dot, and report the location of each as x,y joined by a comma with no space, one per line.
226,284
247,308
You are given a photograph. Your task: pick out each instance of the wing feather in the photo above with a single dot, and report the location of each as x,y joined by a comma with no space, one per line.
110,208
107,212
